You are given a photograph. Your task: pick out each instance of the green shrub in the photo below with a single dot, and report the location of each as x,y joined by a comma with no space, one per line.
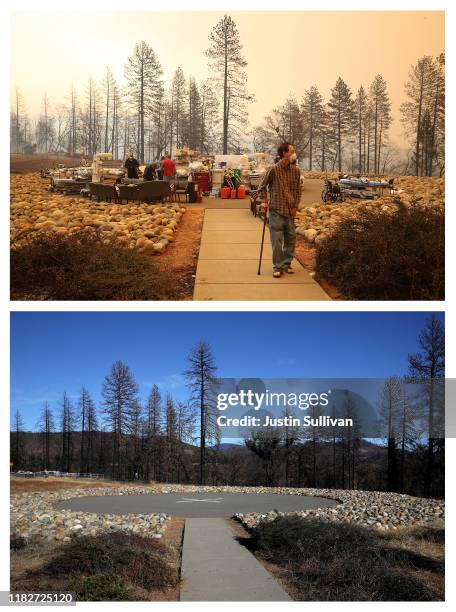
82,267
377,255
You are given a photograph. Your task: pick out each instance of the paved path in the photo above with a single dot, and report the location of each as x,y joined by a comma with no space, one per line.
217,568
311,194
228,263
195,504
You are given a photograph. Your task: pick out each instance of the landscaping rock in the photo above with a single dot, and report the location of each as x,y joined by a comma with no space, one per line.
373,509
317,220
34,209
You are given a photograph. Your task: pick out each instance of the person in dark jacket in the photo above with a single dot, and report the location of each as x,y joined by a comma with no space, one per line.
160,169
132,166
150,173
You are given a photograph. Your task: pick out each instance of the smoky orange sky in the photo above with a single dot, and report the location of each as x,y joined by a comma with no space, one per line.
287,52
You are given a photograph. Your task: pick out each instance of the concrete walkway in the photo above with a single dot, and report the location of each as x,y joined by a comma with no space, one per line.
228,263
217,568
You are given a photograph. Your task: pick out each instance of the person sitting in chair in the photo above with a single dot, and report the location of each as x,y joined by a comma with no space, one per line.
150,173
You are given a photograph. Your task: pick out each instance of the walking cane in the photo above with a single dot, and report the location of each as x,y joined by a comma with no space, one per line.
262,240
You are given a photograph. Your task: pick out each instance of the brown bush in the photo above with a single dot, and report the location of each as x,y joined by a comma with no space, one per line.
108,567
83,267
377,255
341,562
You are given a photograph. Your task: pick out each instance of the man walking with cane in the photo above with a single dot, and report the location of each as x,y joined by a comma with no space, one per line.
283,181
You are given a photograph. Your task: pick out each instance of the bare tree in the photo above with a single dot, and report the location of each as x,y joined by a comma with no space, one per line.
109,86
67,422
201,380
153,431
17,121
361,106
46,427
119,393
87,416
389,412
381,110
427,367
73,114
18,442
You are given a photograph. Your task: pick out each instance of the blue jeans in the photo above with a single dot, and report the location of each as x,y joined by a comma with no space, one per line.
283,240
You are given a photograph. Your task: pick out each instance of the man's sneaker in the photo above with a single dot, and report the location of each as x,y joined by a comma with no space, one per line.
290,270
277,274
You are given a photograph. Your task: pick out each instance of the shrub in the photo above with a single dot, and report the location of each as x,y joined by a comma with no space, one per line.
341,562
101,587
377,255
82,266
140,562
108,567
17,542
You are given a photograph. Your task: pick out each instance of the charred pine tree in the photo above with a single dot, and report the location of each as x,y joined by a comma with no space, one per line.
119,393
201,379
427,368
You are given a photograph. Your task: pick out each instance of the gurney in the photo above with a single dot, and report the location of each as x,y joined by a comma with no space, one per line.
361,183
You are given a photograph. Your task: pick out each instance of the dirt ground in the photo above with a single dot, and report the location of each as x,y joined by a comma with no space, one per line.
181,256
21,164
37,554
305,254
22,485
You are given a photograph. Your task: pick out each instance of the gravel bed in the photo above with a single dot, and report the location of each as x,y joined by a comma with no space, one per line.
373,509
33,514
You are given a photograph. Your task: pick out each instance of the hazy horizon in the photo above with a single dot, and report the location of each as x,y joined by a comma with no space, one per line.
287,52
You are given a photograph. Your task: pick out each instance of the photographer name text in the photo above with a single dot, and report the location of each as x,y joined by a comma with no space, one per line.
286,421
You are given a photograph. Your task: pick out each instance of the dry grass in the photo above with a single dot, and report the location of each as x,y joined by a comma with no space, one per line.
337,562
83,266
22,485
109,567
22,164
378,256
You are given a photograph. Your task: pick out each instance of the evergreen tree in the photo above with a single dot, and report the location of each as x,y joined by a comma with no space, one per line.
228,64
143,73
342,116
313,111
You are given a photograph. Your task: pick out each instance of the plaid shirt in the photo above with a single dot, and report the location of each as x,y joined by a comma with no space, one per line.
284,182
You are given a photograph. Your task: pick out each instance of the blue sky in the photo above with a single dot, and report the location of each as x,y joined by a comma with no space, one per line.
53,352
